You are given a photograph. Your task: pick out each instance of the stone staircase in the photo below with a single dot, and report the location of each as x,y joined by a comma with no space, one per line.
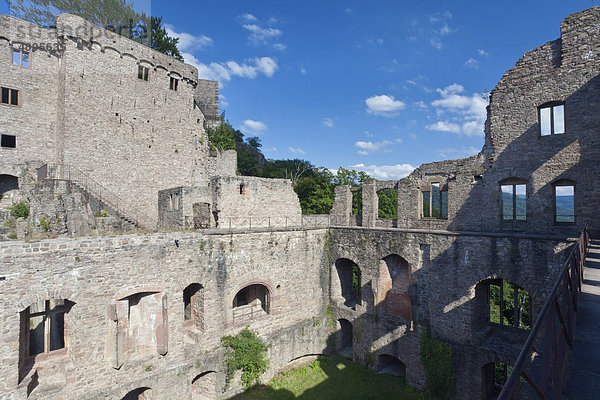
99,198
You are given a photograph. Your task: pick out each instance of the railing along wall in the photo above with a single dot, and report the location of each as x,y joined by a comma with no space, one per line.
73,175
540,367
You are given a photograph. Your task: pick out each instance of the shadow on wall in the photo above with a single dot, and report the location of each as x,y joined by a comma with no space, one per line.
529,157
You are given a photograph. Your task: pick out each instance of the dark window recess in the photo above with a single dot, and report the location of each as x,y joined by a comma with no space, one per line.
8,141
173,83
143,72
10,96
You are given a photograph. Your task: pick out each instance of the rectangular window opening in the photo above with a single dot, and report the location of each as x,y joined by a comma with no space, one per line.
143,72
10,96
9,141
552,120
20,57
564,203
173,83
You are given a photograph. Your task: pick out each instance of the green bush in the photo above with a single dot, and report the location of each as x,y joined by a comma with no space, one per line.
248,353
436,357
44,224
21,209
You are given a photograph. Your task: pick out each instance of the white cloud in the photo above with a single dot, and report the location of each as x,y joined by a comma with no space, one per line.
303,70
269,149
421,105
468,113
482,52
187,41
295,150
259,35
385,172
444,30
248,17
328,122
472,63
383,105
280,46
266,65
369,147
223,72
253,127
443,126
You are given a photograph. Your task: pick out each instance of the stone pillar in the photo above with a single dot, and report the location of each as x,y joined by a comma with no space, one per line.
341,211
370,204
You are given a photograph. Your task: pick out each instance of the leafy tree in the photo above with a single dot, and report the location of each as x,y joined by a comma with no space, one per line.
161,41
388,203
254,142
248,353
114,15
223,137
350,177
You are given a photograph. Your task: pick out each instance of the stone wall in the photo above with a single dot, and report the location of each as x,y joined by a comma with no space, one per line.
267,201
100,275
439,290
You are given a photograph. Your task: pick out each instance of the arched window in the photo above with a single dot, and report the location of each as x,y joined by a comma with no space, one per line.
8,182
564,201
344,338
193,306
348,282
250,303
494,376
514,199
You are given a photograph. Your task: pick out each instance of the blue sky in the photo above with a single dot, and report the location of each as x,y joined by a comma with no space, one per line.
381,86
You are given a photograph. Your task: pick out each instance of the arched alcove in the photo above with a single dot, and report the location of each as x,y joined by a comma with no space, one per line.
388,364
251,302
8,182
344,338
393,282
204,386
143,393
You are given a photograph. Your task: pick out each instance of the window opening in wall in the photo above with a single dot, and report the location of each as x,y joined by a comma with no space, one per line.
193,305
348,285
10,96
552,120
564,202
357,202
435,201
173,83
20,57
387,204
242,188
514,201
251,302
143,72
8,141
509,305
45,325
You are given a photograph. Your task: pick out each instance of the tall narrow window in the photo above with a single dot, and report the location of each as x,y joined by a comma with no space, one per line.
435,201
509,305
10,96
20,57
564,202
552,119
173,83
514,201
143,72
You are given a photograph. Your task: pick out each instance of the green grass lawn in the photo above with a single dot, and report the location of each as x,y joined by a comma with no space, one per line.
332,378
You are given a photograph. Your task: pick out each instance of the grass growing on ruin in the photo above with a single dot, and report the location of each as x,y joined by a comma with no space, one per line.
333,378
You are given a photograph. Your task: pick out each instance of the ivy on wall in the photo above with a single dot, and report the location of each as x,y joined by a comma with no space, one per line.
436,357
248,353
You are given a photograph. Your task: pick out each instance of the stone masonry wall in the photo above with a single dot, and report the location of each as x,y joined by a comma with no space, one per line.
96,274
444,270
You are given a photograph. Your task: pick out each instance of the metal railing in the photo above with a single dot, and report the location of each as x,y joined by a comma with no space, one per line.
540,367
104,196
275,223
